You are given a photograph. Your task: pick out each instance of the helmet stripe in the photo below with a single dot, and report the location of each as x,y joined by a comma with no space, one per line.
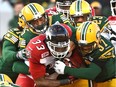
84,30
33,9
1,78
78,6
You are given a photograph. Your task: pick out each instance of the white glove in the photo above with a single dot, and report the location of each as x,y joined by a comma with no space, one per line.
59,67
64,18
21,54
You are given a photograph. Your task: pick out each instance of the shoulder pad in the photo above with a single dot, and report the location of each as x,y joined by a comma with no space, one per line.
12,35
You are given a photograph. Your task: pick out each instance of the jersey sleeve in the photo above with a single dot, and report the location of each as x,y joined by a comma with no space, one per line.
9,51
20,67
36,70
10,45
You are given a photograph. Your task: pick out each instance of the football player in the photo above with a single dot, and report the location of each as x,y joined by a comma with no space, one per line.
81,11
34,21
98,54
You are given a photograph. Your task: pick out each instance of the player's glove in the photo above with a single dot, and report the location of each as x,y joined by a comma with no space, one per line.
59,67
21,54
64,18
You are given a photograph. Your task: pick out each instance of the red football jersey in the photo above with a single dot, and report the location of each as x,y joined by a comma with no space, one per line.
39,56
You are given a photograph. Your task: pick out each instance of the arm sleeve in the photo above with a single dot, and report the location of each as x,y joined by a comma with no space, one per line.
9,51
36,70
86,73
20,67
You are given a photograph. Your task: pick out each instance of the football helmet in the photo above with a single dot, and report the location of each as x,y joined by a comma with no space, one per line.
88,37
5,81
57,40
31,15
96,4
80,8
62,6
113,7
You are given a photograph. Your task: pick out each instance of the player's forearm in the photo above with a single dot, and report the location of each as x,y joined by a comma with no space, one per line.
20,67
9,52
42,82
86,73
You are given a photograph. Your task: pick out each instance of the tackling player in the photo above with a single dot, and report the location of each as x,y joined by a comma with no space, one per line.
98,54
34,21
9,52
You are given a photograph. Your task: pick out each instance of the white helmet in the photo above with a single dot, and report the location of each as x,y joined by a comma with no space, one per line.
62,6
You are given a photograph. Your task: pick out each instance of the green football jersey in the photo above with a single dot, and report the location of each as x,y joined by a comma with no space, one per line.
102,21
25,37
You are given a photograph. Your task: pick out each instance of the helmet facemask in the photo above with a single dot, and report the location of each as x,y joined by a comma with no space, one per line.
76,19
113,7
63,7
39,28
87,48
60,49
